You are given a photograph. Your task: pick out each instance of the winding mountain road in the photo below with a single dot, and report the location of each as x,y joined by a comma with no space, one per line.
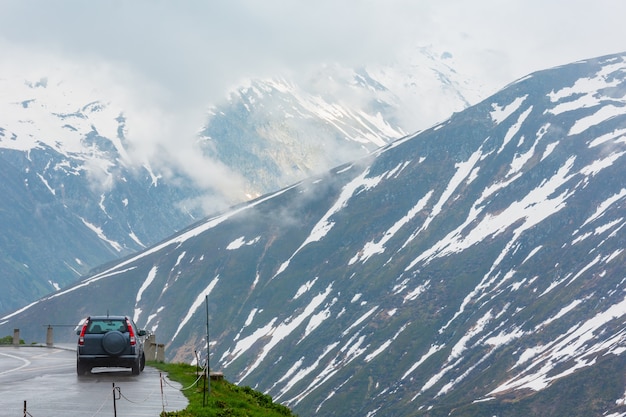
44,380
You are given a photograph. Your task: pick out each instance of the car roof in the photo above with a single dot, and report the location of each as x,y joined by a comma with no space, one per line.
107,317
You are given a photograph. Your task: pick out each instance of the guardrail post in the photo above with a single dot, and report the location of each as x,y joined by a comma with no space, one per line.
49,336
150,347
160,357
16,337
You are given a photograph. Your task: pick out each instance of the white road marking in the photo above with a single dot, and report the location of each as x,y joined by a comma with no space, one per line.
25,364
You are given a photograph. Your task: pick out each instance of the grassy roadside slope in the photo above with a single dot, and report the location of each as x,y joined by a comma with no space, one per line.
225,399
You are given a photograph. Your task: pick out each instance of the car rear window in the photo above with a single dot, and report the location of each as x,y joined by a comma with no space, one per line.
103,326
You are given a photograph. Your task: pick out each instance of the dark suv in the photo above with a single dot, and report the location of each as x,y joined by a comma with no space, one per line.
109,341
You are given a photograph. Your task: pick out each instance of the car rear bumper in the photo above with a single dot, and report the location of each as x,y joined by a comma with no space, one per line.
124,361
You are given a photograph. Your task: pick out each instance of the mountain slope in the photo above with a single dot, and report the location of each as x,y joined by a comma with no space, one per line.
278,131
72,199
275,133
78,191
476,268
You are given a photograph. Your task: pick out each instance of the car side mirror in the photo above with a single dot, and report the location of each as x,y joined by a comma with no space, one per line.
141,332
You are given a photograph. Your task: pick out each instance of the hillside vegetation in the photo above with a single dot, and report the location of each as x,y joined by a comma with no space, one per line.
223,398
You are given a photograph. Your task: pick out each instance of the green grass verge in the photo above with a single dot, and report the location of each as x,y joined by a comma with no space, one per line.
224,398
8,340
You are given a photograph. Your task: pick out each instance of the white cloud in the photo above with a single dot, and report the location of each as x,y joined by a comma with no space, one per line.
196,50
164,62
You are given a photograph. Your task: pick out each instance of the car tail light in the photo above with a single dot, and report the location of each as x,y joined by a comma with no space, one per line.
81,338
131,333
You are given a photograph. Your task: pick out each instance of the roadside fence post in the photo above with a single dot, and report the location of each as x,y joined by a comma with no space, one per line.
114,405
50,336
16,337
162,397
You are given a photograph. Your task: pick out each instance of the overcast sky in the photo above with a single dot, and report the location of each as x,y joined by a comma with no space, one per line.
199,48
185,55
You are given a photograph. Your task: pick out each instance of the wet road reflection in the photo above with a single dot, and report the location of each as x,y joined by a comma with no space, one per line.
46,379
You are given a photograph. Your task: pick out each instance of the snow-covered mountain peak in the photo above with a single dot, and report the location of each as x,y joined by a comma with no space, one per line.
420,73
296,125
48,112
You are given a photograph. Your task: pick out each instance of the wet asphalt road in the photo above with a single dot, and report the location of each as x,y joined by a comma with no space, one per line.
46,379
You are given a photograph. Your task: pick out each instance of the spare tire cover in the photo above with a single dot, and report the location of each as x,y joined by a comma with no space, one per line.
114,343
